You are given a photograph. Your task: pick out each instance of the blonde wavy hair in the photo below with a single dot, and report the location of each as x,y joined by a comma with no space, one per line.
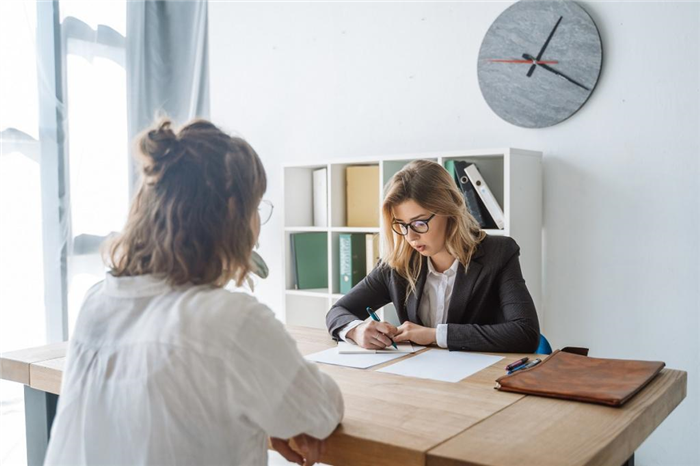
190,221
431,186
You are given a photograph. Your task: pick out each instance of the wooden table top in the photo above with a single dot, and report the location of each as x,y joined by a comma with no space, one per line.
395,420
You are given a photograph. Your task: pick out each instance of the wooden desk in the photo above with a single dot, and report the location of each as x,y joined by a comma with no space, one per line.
395,420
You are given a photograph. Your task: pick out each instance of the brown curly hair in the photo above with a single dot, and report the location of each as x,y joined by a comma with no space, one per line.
191,219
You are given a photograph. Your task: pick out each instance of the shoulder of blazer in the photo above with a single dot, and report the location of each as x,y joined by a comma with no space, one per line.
496,250
386,273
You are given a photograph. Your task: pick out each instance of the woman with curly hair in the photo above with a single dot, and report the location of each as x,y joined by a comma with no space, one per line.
167,367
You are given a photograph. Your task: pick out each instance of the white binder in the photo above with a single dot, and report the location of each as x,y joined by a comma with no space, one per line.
320,196
371,251
486,195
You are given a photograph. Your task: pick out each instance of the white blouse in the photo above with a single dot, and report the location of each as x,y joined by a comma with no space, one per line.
437,294
187,375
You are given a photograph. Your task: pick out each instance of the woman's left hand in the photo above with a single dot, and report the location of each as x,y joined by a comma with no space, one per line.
408,331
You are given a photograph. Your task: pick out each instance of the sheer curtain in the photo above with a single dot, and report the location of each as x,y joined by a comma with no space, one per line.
167,63
94,54
126,62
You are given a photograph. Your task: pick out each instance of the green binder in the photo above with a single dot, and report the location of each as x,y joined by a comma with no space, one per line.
353,260
310,260
450,167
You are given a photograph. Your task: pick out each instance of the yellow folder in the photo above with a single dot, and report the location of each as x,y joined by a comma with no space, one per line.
362,195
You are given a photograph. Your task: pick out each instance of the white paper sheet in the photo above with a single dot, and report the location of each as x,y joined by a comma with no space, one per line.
404,347
360,361
447,366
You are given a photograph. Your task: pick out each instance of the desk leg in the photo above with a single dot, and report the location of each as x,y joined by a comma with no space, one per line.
39,410
630,461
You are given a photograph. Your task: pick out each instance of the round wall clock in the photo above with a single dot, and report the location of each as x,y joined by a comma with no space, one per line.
539,62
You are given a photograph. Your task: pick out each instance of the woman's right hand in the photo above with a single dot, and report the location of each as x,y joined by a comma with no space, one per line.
373,334
305,450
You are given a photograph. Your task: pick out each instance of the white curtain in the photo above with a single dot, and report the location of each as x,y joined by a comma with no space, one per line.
167,63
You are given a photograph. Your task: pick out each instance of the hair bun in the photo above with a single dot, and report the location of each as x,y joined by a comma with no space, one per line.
160,148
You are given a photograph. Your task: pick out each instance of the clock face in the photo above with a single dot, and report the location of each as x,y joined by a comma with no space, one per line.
539,62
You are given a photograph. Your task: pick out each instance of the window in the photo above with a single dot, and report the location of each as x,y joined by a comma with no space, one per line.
22,322
97,145
95,160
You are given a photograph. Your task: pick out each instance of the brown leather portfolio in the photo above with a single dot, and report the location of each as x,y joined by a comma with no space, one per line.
575,377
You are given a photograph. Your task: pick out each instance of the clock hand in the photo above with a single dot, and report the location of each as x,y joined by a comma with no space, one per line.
546,62
546,43
552,70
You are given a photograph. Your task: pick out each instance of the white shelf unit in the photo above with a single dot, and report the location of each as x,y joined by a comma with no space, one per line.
513,175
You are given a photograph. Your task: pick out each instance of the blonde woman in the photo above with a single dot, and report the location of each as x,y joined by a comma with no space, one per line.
167,367
451,284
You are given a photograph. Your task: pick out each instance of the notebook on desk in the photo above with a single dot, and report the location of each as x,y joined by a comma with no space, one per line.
404,347
575,377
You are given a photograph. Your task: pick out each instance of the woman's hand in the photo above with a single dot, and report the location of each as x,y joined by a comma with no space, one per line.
373,334
305,451
408,331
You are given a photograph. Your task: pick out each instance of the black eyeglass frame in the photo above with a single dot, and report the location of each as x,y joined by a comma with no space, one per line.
410,225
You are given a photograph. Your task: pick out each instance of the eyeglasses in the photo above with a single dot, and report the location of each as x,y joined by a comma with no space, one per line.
265,211
419,226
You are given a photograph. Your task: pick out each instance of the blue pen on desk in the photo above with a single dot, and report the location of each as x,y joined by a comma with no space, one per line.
374,316
517,363
530,364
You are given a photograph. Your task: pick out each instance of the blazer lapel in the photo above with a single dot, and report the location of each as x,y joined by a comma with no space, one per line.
414,298
462,290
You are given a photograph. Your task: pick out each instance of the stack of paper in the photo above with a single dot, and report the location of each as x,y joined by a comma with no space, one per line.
359,361
403,347
349,355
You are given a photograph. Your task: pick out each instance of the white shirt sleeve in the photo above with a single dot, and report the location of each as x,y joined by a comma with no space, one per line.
342,333
441,335
285,394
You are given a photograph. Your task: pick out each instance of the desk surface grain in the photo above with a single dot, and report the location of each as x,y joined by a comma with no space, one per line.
395,420
548,431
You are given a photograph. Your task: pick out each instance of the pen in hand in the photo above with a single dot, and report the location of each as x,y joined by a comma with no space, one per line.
374,316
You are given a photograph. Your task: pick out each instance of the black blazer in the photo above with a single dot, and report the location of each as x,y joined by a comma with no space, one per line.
490,308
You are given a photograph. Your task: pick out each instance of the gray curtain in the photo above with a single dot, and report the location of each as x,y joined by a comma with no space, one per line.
167,64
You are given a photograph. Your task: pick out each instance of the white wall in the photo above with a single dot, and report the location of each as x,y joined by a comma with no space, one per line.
316,81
